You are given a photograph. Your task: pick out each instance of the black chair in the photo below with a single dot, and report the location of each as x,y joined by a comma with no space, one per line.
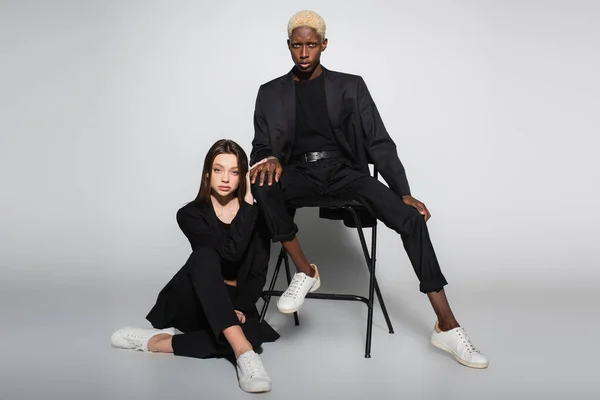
355,215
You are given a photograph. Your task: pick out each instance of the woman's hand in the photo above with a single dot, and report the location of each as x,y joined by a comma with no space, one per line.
248,198
241,316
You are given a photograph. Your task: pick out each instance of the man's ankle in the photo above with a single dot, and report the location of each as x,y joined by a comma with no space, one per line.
308,270
445,326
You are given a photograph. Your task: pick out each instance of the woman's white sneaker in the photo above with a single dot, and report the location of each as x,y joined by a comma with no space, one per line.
252,376
136,338
292,299
457,343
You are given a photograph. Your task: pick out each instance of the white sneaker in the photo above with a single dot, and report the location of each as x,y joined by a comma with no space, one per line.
136,338
291,300
252,376
457,343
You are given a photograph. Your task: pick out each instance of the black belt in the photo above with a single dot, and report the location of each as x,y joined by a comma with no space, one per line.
315,156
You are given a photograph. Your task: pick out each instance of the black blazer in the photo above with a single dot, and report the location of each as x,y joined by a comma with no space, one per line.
247,242
354,118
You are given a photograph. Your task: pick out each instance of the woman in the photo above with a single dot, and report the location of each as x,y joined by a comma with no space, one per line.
211,301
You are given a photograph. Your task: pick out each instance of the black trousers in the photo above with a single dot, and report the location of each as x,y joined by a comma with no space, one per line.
198,303
338,179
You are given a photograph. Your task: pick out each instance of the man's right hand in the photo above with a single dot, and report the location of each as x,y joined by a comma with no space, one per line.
271,168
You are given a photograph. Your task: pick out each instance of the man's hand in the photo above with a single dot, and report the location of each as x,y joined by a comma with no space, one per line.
411,201
241,316
269,167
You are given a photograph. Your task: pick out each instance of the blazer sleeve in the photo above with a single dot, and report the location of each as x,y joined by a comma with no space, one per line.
250,290
380,146
261,144
230,248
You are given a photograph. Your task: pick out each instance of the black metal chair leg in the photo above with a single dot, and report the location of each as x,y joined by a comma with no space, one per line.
371,269
289,280
267,299
383,309
372,260
377,291
370,311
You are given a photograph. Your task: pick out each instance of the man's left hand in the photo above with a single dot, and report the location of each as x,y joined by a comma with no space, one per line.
411,201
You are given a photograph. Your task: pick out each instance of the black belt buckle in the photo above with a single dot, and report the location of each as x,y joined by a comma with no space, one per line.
314,156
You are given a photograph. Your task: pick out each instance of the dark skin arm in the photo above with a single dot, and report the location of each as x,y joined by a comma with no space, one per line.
269,168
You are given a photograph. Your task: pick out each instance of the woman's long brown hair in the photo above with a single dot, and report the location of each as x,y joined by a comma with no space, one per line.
223,146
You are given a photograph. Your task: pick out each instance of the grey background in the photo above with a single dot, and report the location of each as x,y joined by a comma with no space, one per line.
107,109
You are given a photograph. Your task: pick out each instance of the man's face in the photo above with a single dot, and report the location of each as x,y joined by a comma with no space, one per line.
306,48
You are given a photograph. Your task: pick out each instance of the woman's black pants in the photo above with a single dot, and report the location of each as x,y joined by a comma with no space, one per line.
198,303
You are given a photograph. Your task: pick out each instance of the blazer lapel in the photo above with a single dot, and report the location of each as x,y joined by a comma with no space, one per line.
288,101
332,94
207,212
333,98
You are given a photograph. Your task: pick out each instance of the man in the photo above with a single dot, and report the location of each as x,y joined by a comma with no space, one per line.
316,131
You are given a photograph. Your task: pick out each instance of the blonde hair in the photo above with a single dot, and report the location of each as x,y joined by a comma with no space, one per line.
309,19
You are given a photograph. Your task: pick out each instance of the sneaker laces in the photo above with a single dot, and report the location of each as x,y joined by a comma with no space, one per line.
462,334
135,340
253,366
294,288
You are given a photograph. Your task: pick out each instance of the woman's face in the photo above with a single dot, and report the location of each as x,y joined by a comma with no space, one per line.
225,175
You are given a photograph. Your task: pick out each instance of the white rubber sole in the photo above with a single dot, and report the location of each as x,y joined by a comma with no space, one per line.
261,387
466,363
316,286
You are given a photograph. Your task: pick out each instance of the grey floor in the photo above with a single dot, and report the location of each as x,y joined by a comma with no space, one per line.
542,342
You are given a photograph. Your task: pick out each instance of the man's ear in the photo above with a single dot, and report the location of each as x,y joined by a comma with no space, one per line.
324,45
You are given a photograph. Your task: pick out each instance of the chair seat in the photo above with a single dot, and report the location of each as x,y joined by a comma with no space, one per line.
337,209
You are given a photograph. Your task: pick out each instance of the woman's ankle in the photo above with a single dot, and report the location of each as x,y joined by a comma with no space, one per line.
241,350
160,343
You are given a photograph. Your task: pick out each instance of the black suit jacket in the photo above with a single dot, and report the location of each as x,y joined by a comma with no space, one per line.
354,118
248,242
